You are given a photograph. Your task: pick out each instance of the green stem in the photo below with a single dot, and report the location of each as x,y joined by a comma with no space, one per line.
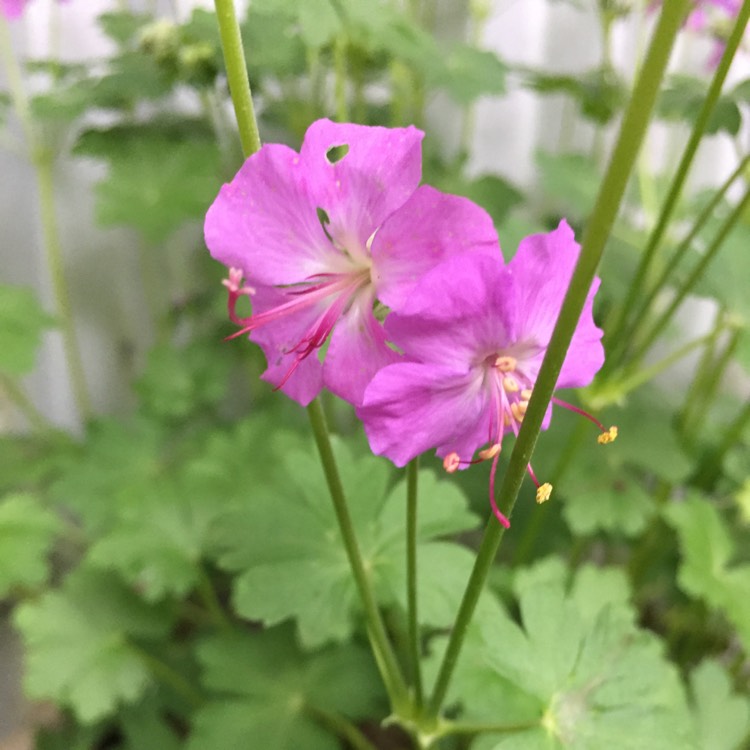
695,276
611,190
412,479
210,600
382,649
24,404
53,248
682,250
449,728
339,726
169,676
239,83
699,128
43,163
339,68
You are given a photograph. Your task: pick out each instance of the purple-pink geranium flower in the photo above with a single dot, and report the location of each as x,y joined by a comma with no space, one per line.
327,237
13,9
474,332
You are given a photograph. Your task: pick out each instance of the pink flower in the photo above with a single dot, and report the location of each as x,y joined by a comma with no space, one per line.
474,333
326,238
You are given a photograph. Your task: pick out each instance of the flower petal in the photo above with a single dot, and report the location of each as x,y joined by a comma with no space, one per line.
378,173
277,339
542,269
409,408
357,351
264,222
457,314
430,227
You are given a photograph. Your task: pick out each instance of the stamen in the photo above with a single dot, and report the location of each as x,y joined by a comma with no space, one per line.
451,462
501,517
490,452
515,410
510,384
608,437
543,493
526,393
505,363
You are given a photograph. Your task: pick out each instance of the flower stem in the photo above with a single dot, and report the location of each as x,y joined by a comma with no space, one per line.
239,84
340,726
692,279
207,593
639,315
611,190
24,404
699,128
412,479
339,65
382,649
169,676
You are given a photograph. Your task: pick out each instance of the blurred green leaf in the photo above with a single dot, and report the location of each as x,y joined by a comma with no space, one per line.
467,73
22,321
722,717
683,98
706,570
80,644
27,531
122,27
570,183
292,564
265,689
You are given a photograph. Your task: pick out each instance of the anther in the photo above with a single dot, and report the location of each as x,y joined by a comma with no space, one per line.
543,493
526,393
451,462
608,436
506,364
515,410
491,452
510,385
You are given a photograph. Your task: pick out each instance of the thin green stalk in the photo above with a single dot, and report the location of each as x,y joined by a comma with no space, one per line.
384,655
699,128
611,190
640,313
210,600
239,83
24,404
450,728
53,249
339,70
169,676
695,276
412,480
43,163
340,726
710,467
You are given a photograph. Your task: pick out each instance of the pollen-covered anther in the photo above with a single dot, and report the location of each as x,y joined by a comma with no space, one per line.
491,452
451,462
543,493
609,436
526,393
510,384
505,363
517,411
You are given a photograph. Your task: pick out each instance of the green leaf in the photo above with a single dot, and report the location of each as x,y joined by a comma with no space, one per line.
22,321
180,382
467,73
159,177
287,547
705,570
570,182
587,680
722,718
265,689
80,644
27,531
682,99
122,27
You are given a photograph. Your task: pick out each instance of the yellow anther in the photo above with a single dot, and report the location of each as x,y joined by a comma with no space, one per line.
490,452
451,462
526,393
516,411
506,364
608,437
543,493
510,385
522,406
